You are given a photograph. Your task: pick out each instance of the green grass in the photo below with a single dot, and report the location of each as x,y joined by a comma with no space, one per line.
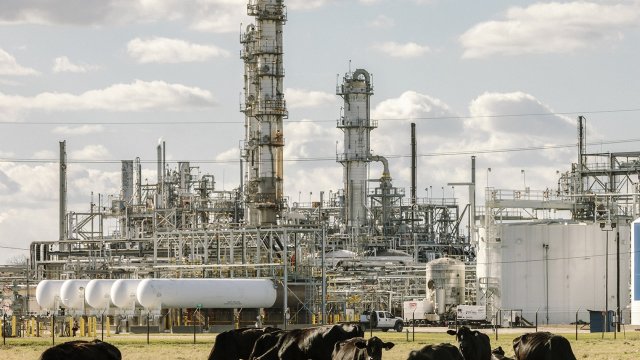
181,347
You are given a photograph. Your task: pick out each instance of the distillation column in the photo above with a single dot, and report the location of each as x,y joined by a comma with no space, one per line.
264,109
356,91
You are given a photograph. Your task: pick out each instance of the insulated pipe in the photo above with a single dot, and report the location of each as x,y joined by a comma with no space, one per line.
385,173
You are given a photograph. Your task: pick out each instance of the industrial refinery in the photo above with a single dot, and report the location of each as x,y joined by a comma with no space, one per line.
183,248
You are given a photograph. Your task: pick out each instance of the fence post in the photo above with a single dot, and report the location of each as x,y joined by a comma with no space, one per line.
4,335
498,321
577,311
148,328
53,329
537,319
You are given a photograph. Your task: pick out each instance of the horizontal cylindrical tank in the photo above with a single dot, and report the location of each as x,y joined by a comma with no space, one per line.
206,293
47,292
98,293
72,294
123,293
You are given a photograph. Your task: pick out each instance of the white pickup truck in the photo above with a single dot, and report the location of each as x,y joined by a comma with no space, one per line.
382,320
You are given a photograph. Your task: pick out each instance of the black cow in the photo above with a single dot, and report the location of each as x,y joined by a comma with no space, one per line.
82,350
436,352
360,349
542,346
315,343
237,343
266,342
498,354
474,345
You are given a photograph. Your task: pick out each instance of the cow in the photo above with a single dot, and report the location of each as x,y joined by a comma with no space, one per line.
474,345
436,352
360,349
237,343
498,354
542,345
315,343
266,342
82,350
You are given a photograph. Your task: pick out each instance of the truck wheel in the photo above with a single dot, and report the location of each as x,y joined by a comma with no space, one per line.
398,326
384,329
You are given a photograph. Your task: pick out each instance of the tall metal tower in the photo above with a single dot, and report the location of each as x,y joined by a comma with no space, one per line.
356,90
264,109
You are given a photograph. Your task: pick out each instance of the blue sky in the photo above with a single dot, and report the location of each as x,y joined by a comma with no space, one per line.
94,72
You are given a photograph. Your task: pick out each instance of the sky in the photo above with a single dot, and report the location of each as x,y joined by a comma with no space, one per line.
501,80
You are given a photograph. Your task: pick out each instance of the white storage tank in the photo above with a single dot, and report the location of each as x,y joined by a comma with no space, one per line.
123,293
72,295
206,293
445,283
98,293
635,272
556,268
48,294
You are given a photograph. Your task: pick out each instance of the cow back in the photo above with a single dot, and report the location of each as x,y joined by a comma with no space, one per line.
542,346
316,343
237,343
436,352
82,350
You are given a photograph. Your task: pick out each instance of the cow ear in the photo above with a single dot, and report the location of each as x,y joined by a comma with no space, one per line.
361,344
389,345
451,332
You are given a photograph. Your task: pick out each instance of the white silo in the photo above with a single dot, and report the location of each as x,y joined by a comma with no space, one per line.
558,268
635,272
445,283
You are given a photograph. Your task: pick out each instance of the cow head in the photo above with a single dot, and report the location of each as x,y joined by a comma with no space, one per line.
374,347
473,345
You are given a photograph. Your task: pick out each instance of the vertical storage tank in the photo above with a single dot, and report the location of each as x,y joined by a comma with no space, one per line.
635,272
445,283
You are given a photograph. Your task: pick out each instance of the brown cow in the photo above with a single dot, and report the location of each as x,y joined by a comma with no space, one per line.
82,350
360,349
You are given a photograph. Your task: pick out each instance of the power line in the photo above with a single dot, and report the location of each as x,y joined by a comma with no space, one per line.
240,121
332,158
12,248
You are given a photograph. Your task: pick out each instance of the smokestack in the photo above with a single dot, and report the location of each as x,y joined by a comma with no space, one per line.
414,163
63,190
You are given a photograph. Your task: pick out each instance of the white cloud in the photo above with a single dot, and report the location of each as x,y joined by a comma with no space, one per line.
406,50
90,152
382,22
63,64
137,96
550,28
217,13
300,98
164,50
9,66
232,154
491,112
78,130
306,4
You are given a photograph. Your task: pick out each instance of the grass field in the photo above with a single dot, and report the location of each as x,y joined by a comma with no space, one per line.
181,347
